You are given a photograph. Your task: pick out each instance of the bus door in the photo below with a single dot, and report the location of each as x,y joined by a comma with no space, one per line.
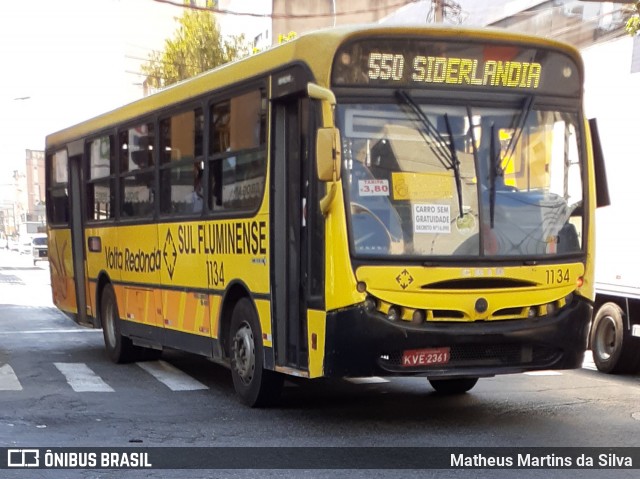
76,156
289,245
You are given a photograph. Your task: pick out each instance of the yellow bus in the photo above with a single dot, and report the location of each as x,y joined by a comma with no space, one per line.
361,201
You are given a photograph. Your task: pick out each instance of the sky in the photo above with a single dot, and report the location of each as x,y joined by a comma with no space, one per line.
64,61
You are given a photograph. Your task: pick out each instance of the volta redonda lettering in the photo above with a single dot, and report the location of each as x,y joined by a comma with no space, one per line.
248,237
223,238
138,261
455,71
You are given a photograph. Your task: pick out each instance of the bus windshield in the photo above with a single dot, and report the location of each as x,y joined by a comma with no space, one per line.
430,179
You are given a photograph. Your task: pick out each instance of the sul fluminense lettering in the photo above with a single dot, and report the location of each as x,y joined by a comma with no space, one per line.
455,71
223,238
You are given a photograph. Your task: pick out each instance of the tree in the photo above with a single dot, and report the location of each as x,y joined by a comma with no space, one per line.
197,46
633,24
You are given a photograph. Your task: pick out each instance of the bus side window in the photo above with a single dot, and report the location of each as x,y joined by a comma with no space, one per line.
181,162
237,159
137,172
58,207
101,187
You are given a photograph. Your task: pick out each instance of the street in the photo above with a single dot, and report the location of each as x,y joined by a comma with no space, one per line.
58,389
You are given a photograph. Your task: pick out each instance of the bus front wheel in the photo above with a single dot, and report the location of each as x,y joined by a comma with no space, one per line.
119,348
254,385
453,386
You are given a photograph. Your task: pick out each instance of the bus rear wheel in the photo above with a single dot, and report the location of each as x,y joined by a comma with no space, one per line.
611,342
255,385
119,348
453,386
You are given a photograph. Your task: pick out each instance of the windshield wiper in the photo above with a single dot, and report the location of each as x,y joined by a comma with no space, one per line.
472,135
448,159
518,126
494,171
495,153
455,163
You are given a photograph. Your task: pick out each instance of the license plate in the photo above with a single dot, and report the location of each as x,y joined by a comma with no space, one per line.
425,357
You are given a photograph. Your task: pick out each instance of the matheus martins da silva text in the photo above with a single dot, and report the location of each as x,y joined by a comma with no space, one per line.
607,460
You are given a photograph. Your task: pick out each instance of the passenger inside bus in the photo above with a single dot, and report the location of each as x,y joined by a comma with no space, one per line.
195,198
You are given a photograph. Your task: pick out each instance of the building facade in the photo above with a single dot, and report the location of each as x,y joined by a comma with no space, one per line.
35,185
270,22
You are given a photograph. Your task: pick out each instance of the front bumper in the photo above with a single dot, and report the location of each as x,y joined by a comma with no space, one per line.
362,343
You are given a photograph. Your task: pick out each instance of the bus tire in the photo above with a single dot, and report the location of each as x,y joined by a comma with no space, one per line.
611,343
255,386
119,348
451,387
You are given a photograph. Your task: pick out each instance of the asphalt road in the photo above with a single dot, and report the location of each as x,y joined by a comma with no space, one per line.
58,388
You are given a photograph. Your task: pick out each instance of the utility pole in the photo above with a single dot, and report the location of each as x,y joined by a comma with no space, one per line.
438,11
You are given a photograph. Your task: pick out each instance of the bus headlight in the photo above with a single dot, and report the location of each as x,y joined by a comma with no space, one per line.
395,313
370,304
418,316
551,309
569,299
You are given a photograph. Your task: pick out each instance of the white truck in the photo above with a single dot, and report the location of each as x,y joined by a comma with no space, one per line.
27,232
612,96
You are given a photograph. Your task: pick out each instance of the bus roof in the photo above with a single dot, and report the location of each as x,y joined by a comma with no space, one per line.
315,49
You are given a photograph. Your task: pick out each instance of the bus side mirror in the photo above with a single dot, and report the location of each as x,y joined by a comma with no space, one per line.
328,154
602,186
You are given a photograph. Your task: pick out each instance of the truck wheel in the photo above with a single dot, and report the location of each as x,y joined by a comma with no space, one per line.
119,348
453,386
254,385
611,342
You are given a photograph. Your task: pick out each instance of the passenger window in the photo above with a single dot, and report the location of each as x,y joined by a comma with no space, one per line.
58,206
181,168
137,175
237,156
101,185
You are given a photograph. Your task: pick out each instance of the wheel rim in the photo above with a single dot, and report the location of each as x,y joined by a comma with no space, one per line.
244,357
606,338
110,324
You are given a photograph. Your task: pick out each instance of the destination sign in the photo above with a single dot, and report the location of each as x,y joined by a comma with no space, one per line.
456,71
423,63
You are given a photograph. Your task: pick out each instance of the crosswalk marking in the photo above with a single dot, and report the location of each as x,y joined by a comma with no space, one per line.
171,376
371,380
51,331
81,378
8,379
544,373
588,361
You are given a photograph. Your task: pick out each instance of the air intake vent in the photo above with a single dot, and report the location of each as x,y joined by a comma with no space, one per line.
479,283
